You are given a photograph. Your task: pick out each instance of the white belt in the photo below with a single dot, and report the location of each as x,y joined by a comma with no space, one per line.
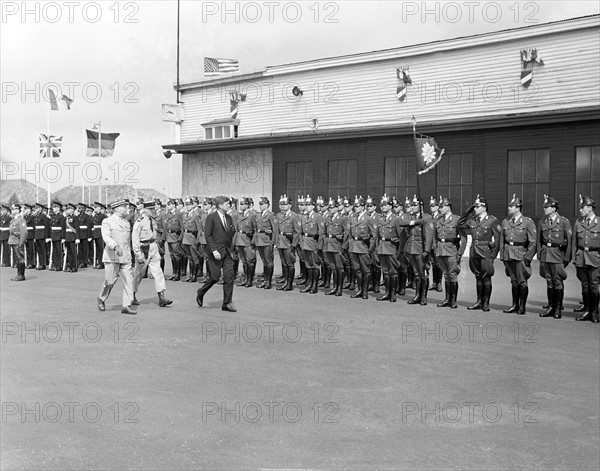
29,228
82,227
56,228
70,230
98,227
5,228
40,227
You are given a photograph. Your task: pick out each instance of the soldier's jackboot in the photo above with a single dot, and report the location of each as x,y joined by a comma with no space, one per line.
583,307
402,283
424,288
438,273
340,283
418,291
309,281
200,270
393,288
304,272
20,272
135,302
516,294
192,271
162,300
327,277
595,300
175,275
558,299
335,284
485,301
523,293
586,309
251,270
290,279
386,296
551,310
194,274
281,278
183,266
348,273
236,268
352,281
162,264
453,294
359,279
178,271
245,280
446,302
322,273
376,280
479,288
365,286
269,284
284,272
315,282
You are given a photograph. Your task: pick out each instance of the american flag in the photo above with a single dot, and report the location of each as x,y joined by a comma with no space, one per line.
214,66
50,146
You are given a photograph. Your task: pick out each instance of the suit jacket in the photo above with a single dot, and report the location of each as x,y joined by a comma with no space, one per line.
217,238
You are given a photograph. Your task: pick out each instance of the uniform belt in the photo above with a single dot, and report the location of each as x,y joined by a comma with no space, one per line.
515,244
287,233
70,230
149,241
5,228
449,240
315,236
98,226
552,244
174,232
191,232
30,228
82,227
249,234
481,242
56,228
590,249
260,231
40,227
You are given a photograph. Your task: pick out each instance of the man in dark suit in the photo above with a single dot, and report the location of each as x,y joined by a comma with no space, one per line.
219,230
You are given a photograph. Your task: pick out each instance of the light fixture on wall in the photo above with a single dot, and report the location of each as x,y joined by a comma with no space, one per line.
297,91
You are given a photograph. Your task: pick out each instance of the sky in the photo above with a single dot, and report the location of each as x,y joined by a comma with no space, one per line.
117,61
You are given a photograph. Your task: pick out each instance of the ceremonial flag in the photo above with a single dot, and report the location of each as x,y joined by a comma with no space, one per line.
526,78
428,153
50,146
61,104
106,140
214,66
403,81
233,109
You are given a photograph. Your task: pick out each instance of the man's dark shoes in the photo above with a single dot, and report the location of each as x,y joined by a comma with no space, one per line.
228,307
101,306
200,298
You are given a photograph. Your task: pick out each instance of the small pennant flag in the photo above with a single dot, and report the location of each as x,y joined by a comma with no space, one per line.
63,103
50,146
403,81
214,66
428,153
526,78
233,110
105,140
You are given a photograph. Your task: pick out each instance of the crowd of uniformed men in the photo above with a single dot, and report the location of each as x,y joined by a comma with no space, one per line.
340,245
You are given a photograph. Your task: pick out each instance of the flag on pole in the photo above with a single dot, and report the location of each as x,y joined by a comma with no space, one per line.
213,66
50,146
106,140
428,153
61,104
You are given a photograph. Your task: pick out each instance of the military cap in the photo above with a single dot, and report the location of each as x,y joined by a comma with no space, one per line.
81,205
264,200
189,200
407,202
433,202
415,200
285,199
246,200
586,201
385,199
196,200
208,200
359,201
179,201
341,201
28,206
99,205
445,202
346,201
481,200
158,202
149,204
308,200
40,205
139,201
56,203
331,203
549,201
516,201
15,206
320,201
171,201
301,199
395,202
369,201
120,202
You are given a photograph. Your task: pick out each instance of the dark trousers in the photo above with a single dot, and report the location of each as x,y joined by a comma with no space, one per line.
419,265
214,268
334,260
71,249
590,279
18,253
40,249
361,263
99,243
5,253
555,274
57,255
192,252
288,259
30,249
266,254
449,267
389,264
82,255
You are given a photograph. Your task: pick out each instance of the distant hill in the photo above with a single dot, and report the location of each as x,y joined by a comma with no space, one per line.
22,191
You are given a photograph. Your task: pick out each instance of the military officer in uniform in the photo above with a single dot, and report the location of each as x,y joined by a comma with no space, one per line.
41,224
554,254
173,235
84,234
145,248
303,275
419,241
288,223
58,230
347,212
27,212
17,239
403,267
436,270
375,264
325,273
243,241
265,239
4,234
97,219
208,207
89,213
311,227
192,226
449,243
518,241
72,238
389,234
362,239
116,233
586,256
335,236
485,232
159,218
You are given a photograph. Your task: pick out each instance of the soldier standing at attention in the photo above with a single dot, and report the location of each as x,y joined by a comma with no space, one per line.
97,219
402,260
389,234
363,232
143,240
192,227
30,243
335,235
311,229
485,233
89,214
303,271
41,223
347,212
265,239
554,254
288,223
17,239
58,230
586,256
4,234
173,235
375,264
72,239
83,235
116,233
449,244
518,240
245,228
436,270
325,273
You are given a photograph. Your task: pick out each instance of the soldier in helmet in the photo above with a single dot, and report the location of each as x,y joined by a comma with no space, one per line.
303,275
363,234
288,223
347,212
449,244
436,270
325,274
554,254
404,267
172,236
192,227
389,235
311,229
375,278
244,236
265,239
335,236
586,256
518,240
485,232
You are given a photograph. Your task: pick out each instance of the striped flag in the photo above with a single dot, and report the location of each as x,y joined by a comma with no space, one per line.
403,81
526,78
61,104
106,140
214,66
50,146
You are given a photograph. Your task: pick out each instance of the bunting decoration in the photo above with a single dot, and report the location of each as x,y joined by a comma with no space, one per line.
529,57
404,81
234,99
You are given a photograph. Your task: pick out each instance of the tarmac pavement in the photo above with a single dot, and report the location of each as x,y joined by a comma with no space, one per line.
292,380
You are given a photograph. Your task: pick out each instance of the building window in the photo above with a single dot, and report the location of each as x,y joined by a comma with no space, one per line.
400,177
342,178
221,129
587,173
529,178
455,180
299,177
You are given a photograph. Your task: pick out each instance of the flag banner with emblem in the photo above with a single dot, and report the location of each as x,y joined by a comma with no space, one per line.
214,66
404,81
233,110
106,140
428,153
529,57
62,103
526,78
50,146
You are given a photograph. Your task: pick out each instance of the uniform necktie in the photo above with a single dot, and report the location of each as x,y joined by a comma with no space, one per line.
151,226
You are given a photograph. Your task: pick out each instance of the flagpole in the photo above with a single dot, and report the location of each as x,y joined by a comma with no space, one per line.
178,16
99,127
48,137
82,165
414,125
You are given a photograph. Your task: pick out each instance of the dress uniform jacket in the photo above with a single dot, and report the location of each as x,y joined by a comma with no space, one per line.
41,223
415,244
312,227
449,240
202,237
289,230
116,231
84,226
267,229
363,234
389,232
485,236
336,233
518,239
30,226
192,227
17,231
71,228
554,240
144,233
4,226
246,227
586,243
173,228
97,219
57,227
